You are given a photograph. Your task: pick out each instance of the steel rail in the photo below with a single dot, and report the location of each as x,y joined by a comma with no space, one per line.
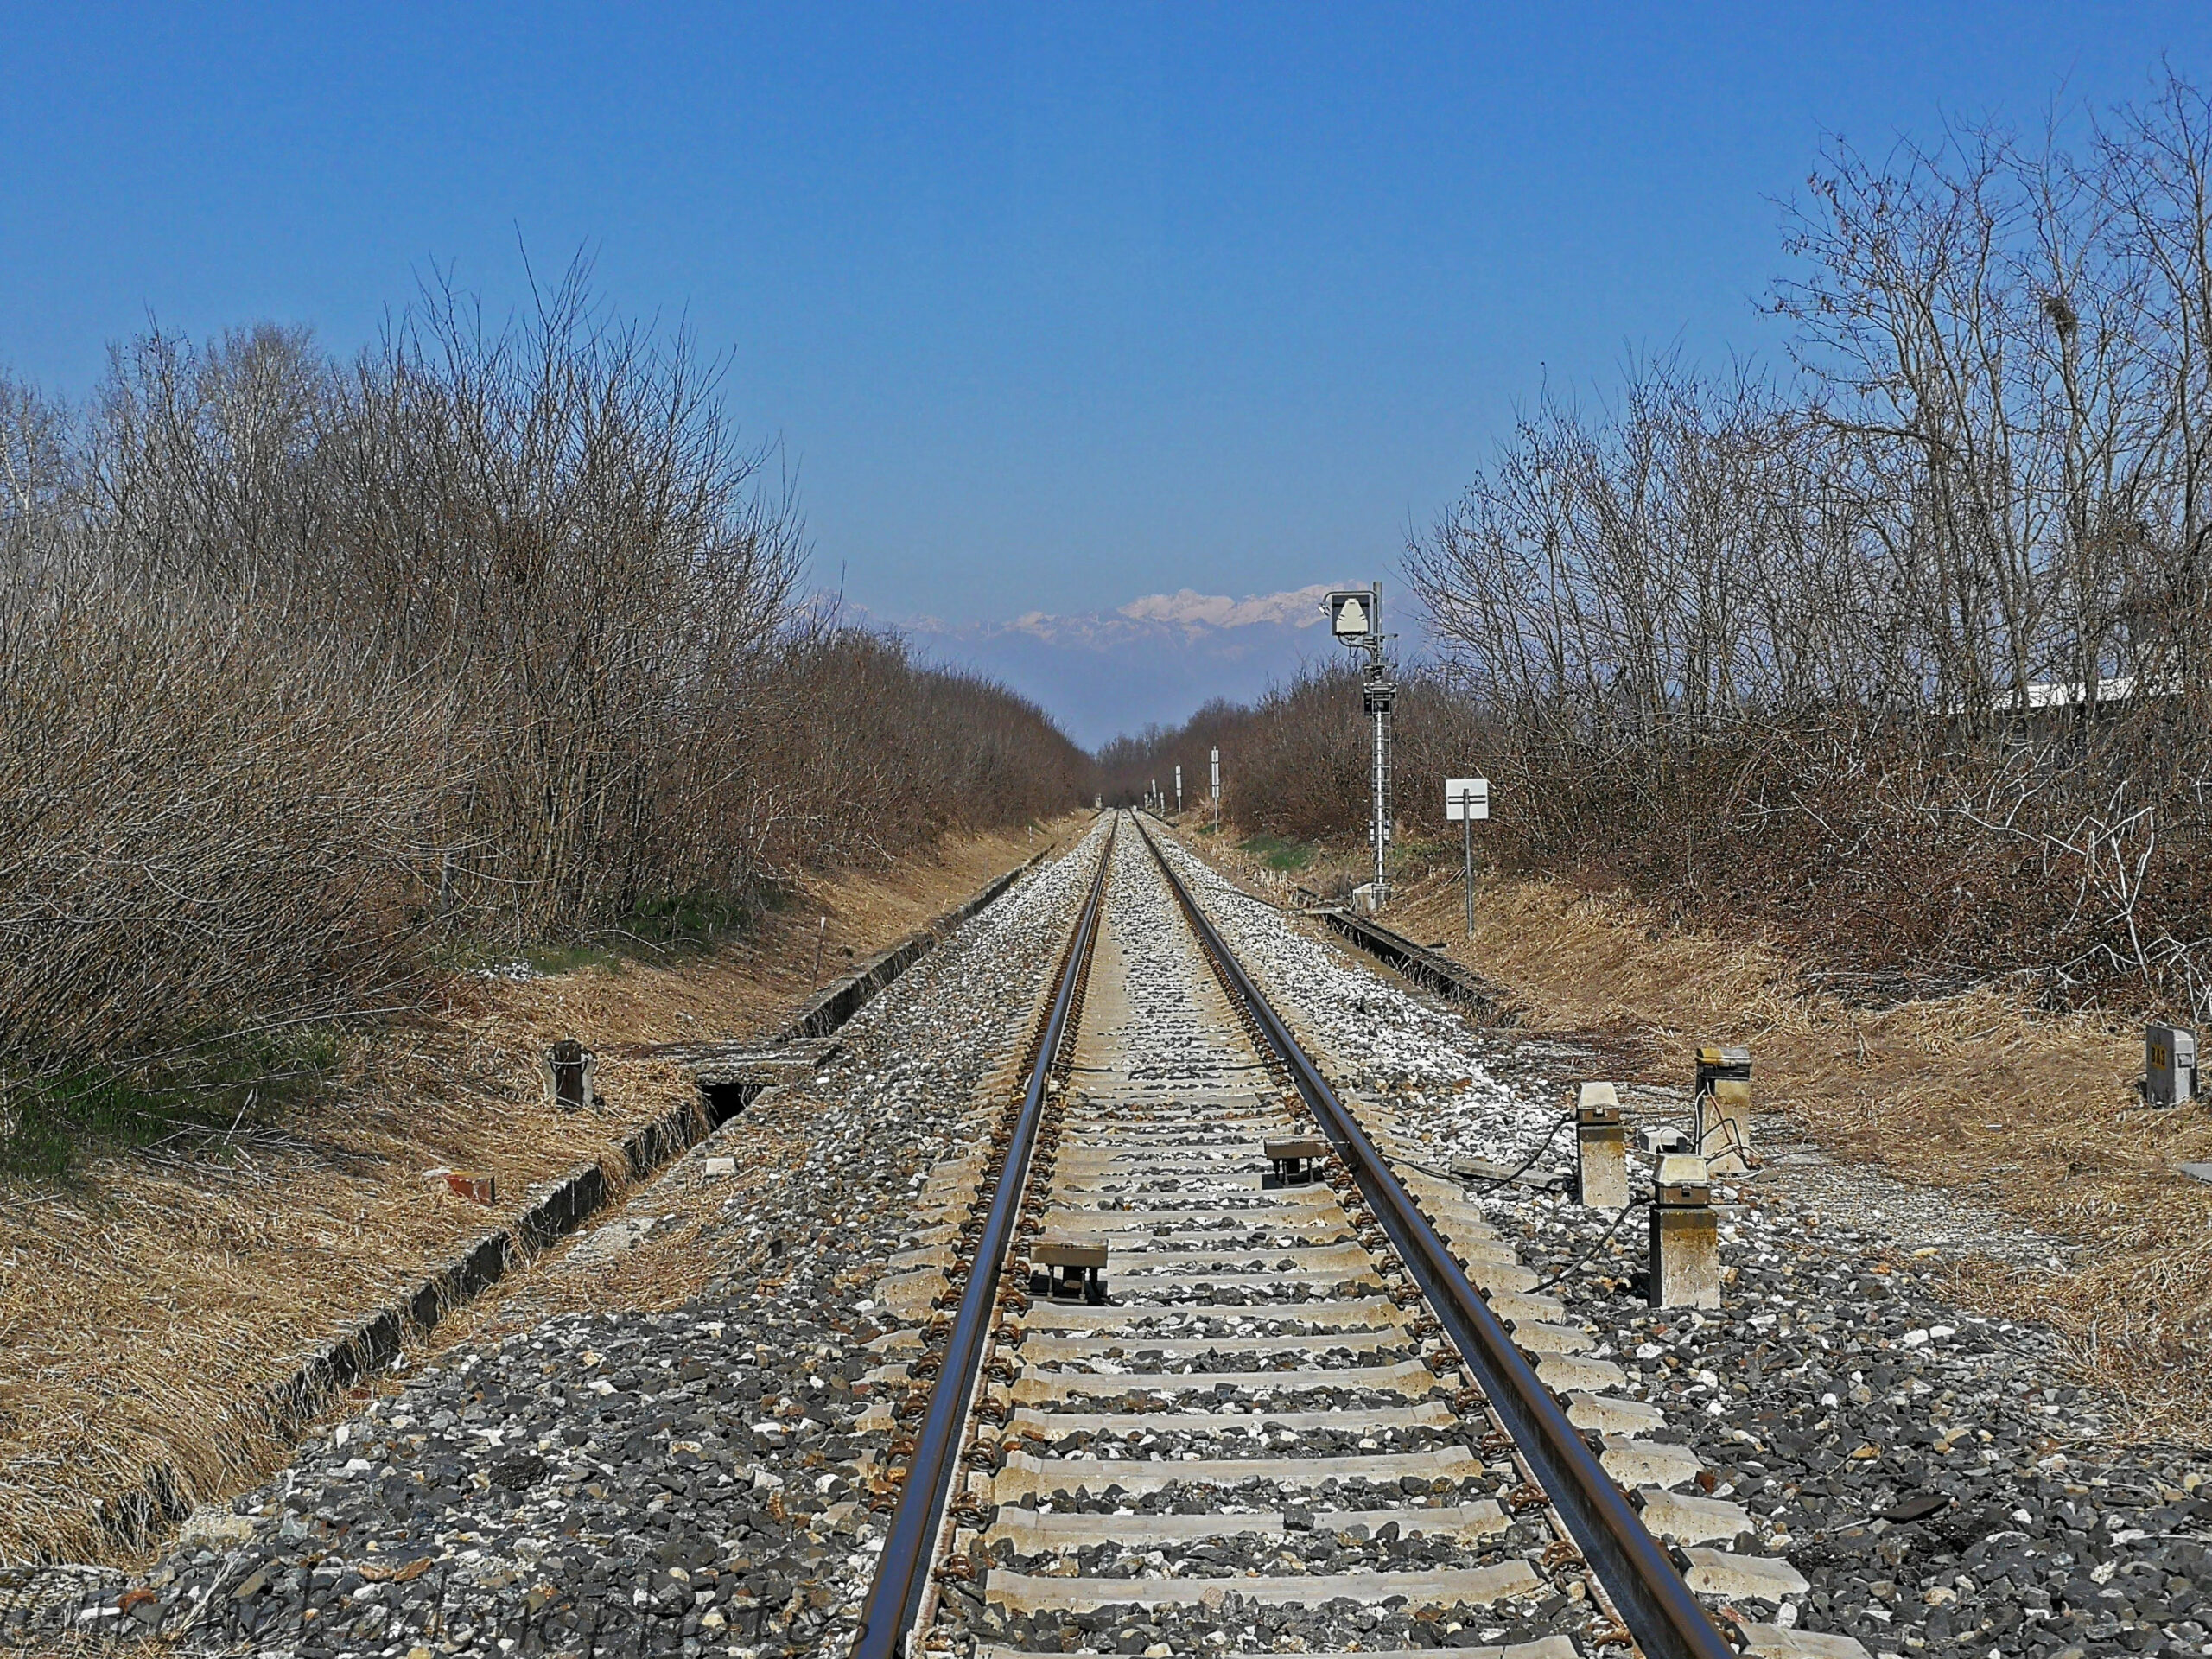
1661,1615
902,1573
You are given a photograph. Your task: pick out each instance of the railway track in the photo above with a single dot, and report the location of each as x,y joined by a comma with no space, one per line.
1322,1418
1336,1395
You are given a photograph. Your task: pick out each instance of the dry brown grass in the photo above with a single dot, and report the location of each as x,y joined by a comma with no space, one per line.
142,1308
2033,1113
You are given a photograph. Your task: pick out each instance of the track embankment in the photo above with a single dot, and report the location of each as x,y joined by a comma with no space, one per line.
1263,1431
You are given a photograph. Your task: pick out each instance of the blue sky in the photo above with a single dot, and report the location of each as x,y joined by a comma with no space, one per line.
1052,308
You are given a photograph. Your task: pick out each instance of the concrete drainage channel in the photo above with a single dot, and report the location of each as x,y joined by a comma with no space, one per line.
731,1077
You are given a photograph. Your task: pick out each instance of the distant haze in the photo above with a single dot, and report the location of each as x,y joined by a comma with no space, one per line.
1102,673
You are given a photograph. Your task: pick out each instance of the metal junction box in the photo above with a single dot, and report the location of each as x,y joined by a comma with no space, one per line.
1719,1064
2169,1065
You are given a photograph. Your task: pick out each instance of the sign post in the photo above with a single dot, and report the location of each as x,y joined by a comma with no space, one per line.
1467,799
1179,789
1216,790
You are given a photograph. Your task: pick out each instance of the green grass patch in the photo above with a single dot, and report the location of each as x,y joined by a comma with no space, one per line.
656,928
50,1125
699,919
1278,852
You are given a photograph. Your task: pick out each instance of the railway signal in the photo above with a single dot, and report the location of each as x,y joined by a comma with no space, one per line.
1356,620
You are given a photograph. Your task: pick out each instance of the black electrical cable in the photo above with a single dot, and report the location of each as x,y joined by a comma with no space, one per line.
1603,1239
1542,1147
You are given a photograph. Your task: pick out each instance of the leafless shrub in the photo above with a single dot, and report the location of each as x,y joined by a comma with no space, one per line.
489,632
1904,652
205,827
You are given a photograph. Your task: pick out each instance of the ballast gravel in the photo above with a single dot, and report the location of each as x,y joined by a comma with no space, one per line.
1324,1505
1936,1477
695,1482
630,1484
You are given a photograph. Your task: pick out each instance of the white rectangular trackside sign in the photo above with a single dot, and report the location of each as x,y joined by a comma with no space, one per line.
1466,797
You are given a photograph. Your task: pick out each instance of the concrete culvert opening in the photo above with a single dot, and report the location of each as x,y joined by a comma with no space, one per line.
724,1100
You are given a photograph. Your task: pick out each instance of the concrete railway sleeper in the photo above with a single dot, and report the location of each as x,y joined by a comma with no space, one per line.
1071,1306
899,1600
1297,1415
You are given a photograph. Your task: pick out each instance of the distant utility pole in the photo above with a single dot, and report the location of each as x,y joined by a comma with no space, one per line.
1356,619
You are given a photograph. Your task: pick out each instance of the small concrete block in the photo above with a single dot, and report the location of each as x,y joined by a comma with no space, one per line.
1564,1373
2198,1173
1693,1520
1685,1255
1611,1415
1648,1462
1065,1252
718,1166
1601,1164
1724,1125
1765,1577
1774,1641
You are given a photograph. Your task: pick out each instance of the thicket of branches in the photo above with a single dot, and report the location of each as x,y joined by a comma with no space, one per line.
1904,649
305,666
1296,762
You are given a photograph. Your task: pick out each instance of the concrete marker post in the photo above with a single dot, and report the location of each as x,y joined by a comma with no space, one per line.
1601,1148
1684,1236
1724,1108
1724,1126
570,1069
2169,1065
